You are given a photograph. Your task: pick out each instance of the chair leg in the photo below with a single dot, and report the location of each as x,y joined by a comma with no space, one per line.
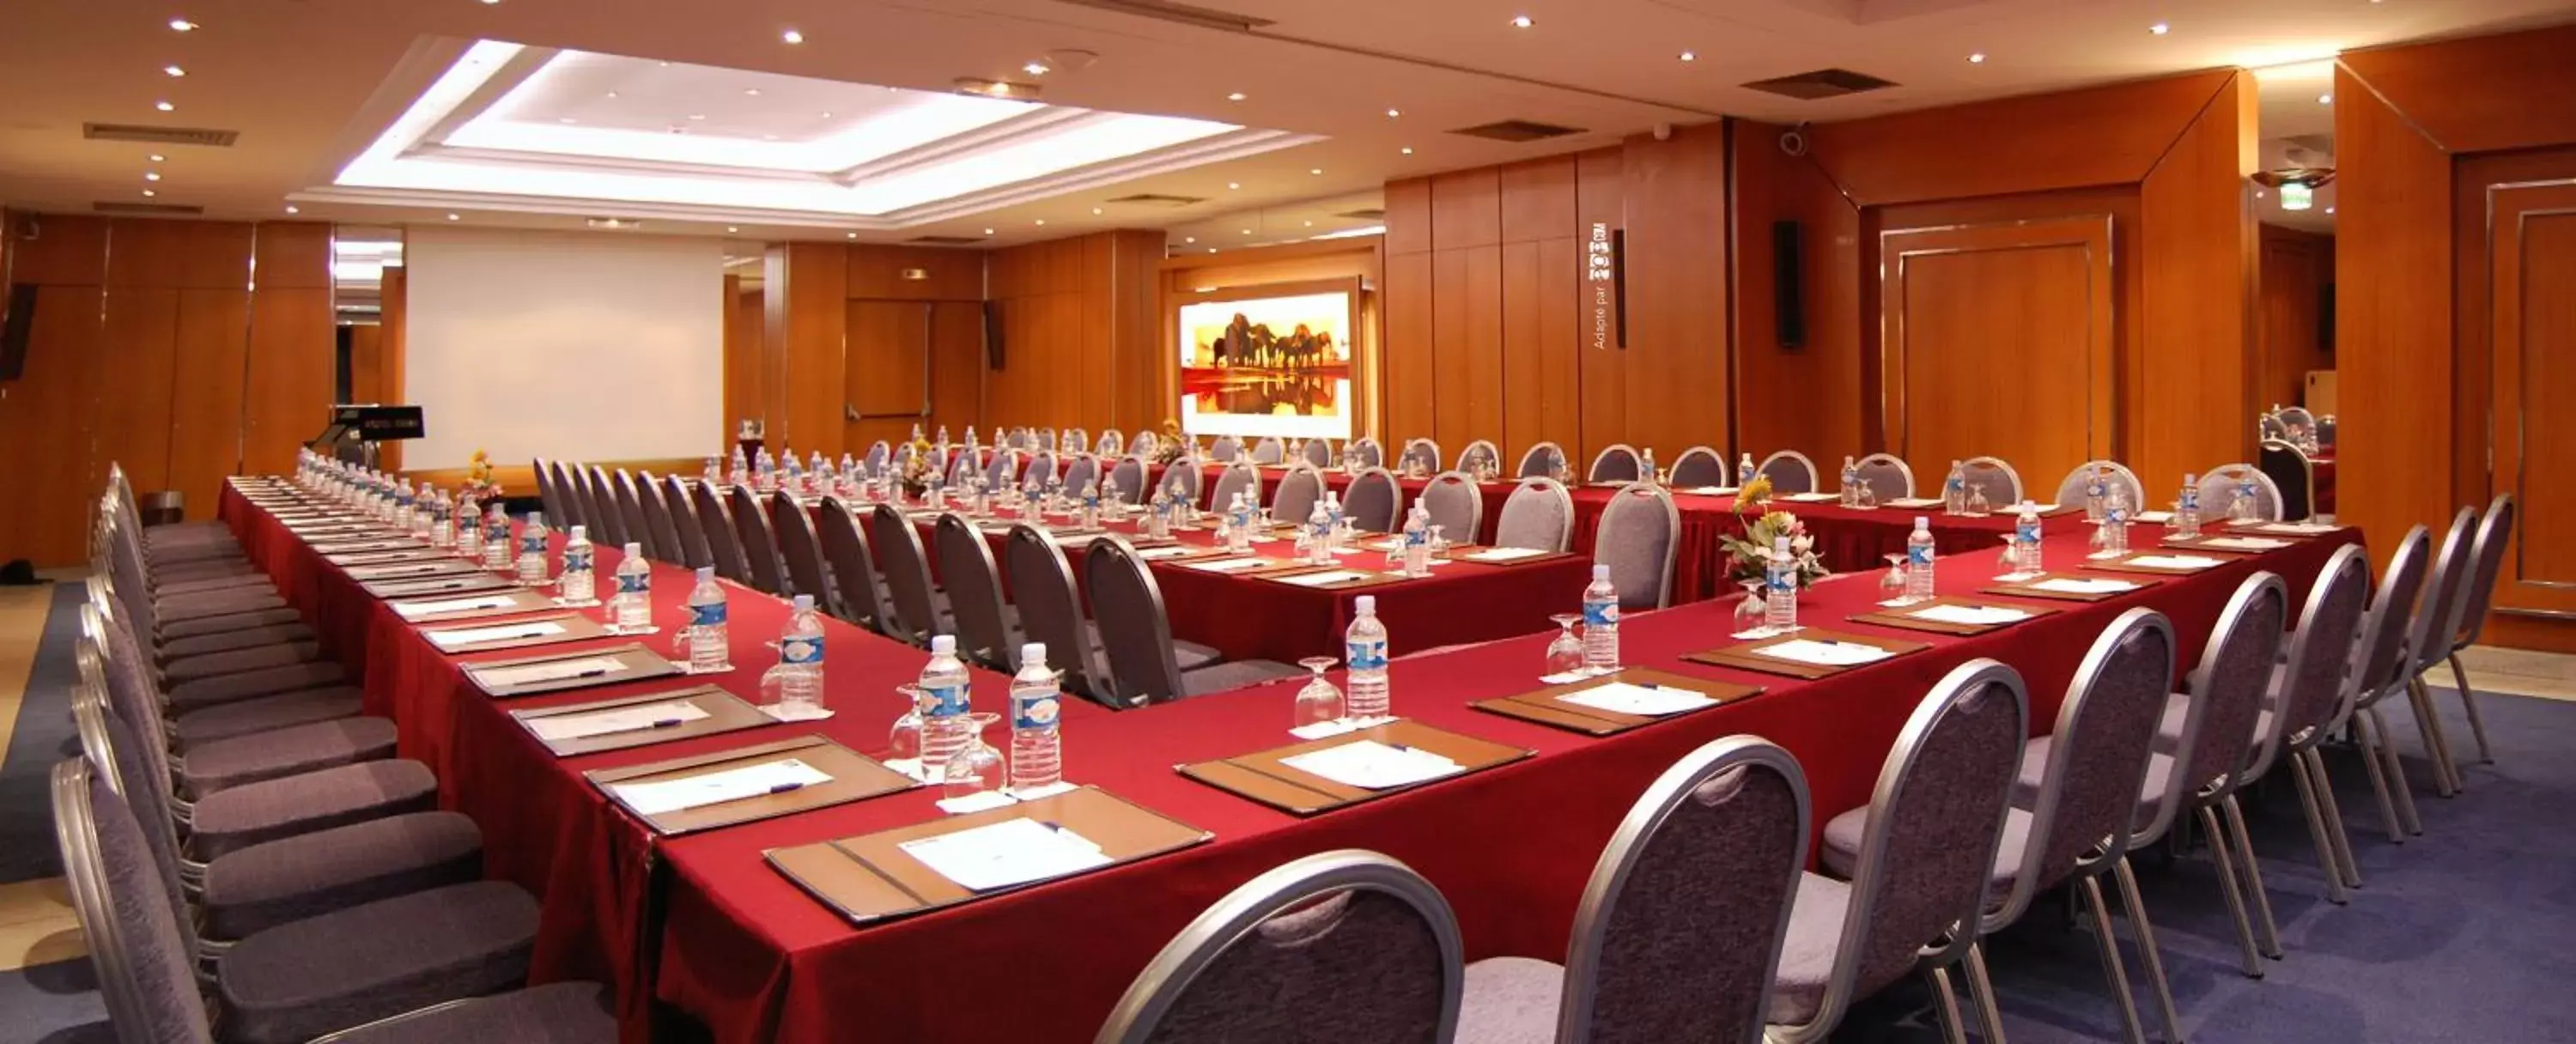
1981,989
2316,761
2370,760
2230,889
2397,783
2269,938
2113,971
2446,776
2326,857
1945,1007
2469,702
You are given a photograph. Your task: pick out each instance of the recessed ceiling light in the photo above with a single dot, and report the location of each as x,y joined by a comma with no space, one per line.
182,25
827,115
164,106
697,116
452,217
2330,210
1310,224
988,231
1690,56
151,175
1095,210
488,3
751,92
769,137
853,235
1234,184
149,192
2258,193
1236,96
1393,113
1316,170
1521,22
1211,250
290,208
612,94
792,36
2159,28
1978,58
1041,221
173,71
1408,150
2325,99
1247,231
157,157
733,228
1189,239
567,120
1037,68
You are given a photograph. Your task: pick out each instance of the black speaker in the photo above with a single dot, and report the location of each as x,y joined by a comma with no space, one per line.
17,322
1788,288
993,334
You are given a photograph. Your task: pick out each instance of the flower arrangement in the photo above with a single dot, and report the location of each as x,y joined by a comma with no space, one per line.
1171,445
1749,555
912,470
478,479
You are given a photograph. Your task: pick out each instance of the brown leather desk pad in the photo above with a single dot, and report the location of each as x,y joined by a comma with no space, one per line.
1543,707
1261,777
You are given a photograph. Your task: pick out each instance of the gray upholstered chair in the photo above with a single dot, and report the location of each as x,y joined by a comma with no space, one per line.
665,547
986,633
1084,471
2494,533
2326,431
2074,491
1455,505
1144,444
1539,515
1373,502
2221,486
1076,440
1887,477
1109,445
1920,873
2269,426
1005,468
964,464
635,528
2291,473
724,542
1996,479
1480,455
2431,635
1184,475
2379,667
1639,538
1619,463
1365,452
549,499
1270,450
1051,612
2304,700
918,616
1700,466
1545,460
1294,497
599,507
1790,472
1346,945
1680,925
1239,477
859,591
689,538
1136,635
203,766
568,486
759,543
802,552
1317,453
1127,479
1422,453
879,454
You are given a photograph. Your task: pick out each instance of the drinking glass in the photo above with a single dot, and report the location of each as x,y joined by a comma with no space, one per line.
976,768
1893,584
1565,654
1439,543
1977,503
1754,609
1319,701
2011,559
1867,497
904,741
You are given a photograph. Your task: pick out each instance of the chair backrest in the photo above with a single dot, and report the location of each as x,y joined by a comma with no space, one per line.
1294,497
2269,426
1240,478
2326,431
1224,449
1051,611
1539,515
547,496
1317,453
138,945
1680,927
1616,464
600,508
1365,451
965,465
2288,468
878,454
2321,649
1135,632
802,552
1006,467
1270,450
724,542
115,752
1144,444
2218,490
1928,844
2380,656
1419,452
1110,444
1344,945
1544,460
665,545
1790,472
568,507
631,516
2430,636
759,542
1640,535
2296,417
2227,695
1184,474
1998,480
1127,479
1700,466
1076,440
1084,471
2493,534
2097,759
1887,476
907,574
861,596
974,593
1455,505
690,539
1373,502
2115,475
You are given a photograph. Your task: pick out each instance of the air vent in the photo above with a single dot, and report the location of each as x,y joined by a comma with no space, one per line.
1517,130
105,207
945,240
1376,214
1186,14
221,139
1156,199
1822,83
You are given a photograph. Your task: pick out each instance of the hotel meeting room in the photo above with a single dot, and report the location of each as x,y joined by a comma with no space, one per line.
1264,522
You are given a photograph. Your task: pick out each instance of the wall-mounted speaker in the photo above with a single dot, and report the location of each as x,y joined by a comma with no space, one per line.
993,334
1788,285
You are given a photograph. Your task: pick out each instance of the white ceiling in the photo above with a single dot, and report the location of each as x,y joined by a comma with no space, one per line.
309,85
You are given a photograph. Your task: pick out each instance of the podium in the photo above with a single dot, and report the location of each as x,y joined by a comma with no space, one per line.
357,428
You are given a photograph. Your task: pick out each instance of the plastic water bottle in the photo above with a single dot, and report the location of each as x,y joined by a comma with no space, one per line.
1954,490
1646,466
1780,588
1601,622
817,470
1850,483
1918,561
580,585
2115,524
800,662
1364,648
1417,542
1319,534
710,644
1090,506
713,474
1037,751
1341,524
2244,508
2187,509
403,503
2096,487
1744,471
532,550
945,699
2026,557
633,613
1238,522
741,470
469,528
496,540
442,521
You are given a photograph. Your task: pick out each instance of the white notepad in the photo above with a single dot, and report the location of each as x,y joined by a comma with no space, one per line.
2175,561
2244,543
2070,585
615,720
1711,491
1824,654
374,572
1973,615
1011,852
2152,516
1156,554
1809,498
551,670
1503,554
1648,700
715,788
1373,765
416,610
2295,528
1325,578
463,636
1227,565
1914,502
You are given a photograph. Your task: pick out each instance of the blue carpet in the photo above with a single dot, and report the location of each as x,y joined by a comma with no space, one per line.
44,736
53,1004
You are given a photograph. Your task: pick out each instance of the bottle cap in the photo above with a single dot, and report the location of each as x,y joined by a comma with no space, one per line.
706,574
943,645
1779,543
1600,571
1032,655
580,533
1365,604
1922,522
2190,479
535,518
633,550
804,603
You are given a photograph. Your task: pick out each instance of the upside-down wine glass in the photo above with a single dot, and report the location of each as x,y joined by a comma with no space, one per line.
976,768
1319,701
1893,583
1754,609
1565,654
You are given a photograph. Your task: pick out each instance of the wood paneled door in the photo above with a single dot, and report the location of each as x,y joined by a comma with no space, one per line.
1996,340
2531,319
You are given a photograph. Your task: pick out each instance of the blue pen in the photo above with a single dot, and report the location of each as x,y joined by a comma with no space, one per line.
785,787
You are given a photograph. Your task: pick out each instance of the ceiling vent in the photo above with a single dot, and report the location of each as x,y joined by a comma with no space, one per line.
221,139
1373,214
1156,199
105,207
1186,14
946,240
1820,84
1517,131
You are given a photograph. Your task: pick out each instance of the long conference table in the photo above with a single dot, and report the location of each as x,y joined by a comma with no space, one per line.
701,923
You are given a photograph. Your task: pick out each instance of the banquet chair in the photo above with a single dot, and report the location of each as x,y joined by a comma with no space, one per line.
1006,468
801,551
2071,489
1373,502
1480,455
1293,499
2326,431
630,514
1136,635
568,492
2430,634
1317,453
2212,731
2379,666
1545,460
1239,478
1016,438
1127,480
691,540
1920,873
1619,463
1681,922
2295,417
1108,446
1699,467
1455,505
1076,440
2493,535
2304,699
1422,452
287,697
1270,450
724,543
1887,477
986,633
1144,444
759,542
859,591
1363,452
1082,473
2291,473
1185,475
2072,822
201,767
1346,945
205,670
1639,538
2269,427
1047,440
1997,479
966,464
878,455
311,976
1224,449
1539,515
599,508
2220,487
1790,472
549,499
918,614
1051,612
665,546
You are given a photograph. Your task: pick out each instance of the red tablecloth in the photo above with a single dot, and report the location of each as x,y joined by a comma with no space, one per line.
2323,468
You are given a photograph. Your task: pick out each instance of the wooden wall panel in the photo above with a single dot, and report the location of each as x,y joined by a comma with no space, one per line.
207,364
1095,328
1538,200
744,319
395,293
2099,136
956,365
888,372
2531,318
286,396
1408,216
1466,208
803,332
1599,200
879,271
1805,397
2393,300
1542,364
1410,375
1450,301
2296,268
1140,396
2480,94
2199,249
202,255
50,406
1678,394
133,412
69,250
293,255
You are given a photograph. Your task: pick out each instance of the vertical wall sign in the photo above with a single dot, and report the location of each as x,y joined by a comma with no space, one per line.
1604,274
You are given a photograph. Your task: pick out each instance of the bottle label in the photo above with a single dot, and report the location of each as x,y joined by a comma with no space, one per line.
1604,613
532,544
1918,554
800,651
711,614
576,559
1416,537
1037,710
633,583
2026,532
1367,656
944,701
1780,578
